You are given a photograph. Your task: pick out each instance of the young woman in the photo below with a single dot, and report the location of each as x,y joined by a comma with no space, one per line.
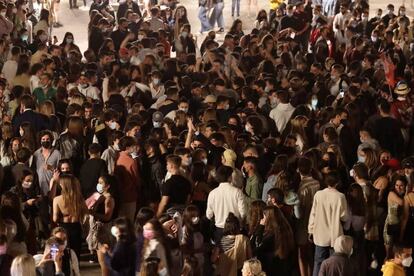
155,245
407,222
28,191
192,243
255,215
274,242
101,215
392,222
233,249
199,176
23,265
69,210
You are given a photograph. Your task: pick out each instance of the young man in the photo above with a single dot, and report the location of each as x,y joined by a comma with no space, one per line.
402,259
254,183
329,210
176,191
91,170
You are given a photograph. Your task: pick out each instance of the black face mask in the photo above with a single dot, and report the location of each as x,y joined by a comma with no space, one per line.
46,144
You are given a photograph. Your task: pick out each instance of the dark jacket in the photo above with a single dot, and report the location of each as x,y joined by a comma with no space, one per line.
37,121
123,7
337,265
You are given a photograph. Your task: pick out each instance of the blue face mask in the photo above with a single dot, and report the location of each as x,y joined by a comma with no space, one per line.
361,159
99,188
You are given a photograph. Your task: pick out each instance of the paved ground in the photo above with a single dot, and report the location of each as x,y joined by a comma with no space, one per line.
76,21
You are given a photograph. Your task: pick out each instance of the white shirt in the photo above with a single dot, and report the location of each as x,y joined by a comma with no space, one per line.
339,20
281,115
225,199
329,210
34,82
90,92
9,70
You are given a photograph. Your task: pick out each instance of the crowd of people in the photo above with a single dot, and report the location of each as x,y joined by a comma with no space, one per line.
284,150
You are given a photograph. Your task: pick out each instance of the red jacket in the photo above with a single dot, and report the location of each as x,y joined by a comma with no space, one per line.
127,174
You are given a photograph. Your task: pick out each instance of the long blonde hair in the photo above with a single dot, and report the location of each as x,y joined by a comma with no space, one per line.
72,196
23,265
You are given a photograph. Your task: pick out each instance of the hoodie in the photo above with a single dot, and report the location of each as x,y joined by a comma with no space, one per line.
392,269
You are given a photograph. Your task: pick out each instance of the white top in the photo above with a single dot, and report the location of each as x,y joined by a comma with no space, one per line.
9,70
329,210
225,199
281,115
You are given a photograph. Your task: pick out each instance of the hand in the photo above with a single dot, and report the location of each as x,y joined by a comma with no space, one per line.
310,238
31,201
56,175
58,261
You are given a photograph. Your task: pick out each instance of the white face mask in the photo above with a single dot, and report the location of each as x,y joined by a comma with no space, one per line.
3,13
195,220
116,147
184,109
26,185
184,34
140,37
374,38
406,262
112,125
157,124
99,188
21,132
205,161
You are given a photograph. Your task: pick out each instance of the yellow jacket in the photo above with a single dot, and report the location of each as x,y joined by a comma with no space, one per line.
392,269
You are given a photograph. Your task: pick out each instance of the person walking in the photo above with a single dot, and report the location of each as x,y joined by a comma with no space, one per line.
217,15
329,210
203,9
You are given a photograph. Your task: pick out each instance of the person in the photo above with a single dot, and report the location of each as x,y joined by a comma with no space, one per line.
339,263
254,184
101,215
69,210
28,114
402,259
91,170
46,159
223,200
23,265
155,245
122,255
395,202
273,242
176,190
252,267
70,262
217,15
127,174
329,208
50,262
233,248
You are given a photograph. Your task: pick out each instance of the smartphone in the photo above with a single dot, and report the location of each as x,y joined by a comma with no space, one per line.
54,249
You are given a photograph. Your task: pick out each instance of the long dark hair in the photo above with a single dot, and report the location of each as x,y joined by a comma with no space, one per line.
356,202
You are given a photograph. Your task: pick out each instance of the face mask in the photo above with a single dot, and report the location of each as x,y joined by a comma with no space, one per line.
184,34
148,234
390,12
3,13
195,220
3,249
157,124
83,86
99,188
112,125
364,17
163,272
115,231
134,155
314,103
374,38
187,162
140,37
46,144
247,128
350,253
289,14
156,81
69,40
116,147
352,173
226,107
21,132
406,262
25,37
361,159
184,109
205,160
402,13
26,185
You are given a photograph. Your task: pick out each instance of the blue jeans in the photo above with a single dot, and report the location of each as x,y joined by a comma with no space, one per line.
321,253
202,15
235,5
217,15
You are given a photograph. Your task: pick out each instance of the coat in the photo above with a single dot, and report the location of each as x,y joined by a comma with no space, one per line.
337,265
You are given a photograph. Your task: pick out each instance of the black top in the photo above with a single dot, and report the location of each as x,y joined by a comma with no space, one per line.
177,188
90,172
